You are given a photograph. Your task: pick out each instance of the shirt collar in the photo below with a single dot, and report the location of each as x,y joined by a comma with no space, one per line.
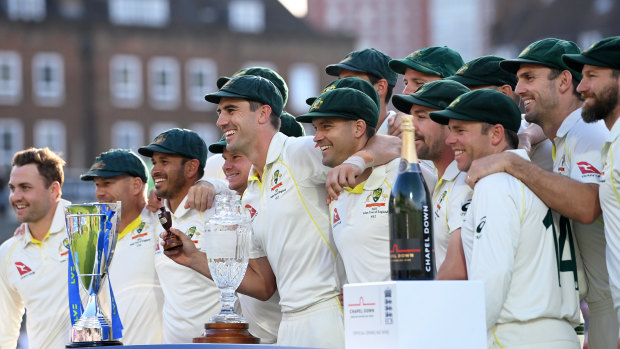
568,123
614,133
275,149
181,210
451,172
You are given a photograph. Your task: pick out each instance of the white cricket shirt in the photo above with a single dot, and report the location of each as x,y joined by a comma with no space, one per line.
190,298
360,224
138,295
451,199
609,196
577,148
291,222
512,250
34,276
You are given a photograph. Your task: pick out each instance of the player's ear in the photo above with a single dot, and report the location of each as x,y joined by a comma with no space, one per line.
496,132
359,128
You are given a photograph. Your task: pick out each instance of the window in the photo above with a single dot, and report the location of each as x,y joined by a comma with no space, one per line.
207,131
51,134
126,81
48,79
158,127
26,10
164,82
10,77
152,13
246,16
127,135
304,80
11,139
201,75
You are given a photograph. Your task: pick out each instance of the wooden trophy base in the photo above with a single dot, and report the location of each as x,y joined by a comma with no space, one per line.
225,332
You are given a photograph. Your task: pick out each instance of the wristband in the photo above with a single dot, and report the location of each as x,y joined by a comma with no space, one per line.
359,162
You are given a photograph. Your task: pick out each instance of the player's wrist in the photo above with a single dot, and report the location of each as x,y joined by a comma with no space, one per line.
361,159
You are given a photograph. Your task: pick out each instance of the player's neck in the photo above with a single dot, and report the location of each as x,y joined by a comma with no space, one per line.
40,228
129,213
258,155
443,161
175,201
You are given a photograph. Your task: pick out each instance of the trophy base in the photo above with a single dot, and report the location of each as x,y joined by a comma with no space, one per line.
172,242
223,332
93,344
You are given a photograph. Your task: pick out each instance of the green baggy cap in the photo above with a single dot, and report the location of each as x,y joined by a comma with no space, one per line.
368,60
605,53
178,141
117,162
484,71
352,82
484,105
266,73
252,88
547,52
346,103
435,94
437,60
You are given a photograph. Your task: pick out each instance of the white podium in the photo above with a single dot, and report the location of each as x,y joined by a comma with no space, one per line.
415,314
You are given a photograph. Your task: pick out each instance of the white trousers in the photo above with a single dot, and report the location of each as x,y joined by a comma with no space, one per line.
534,334
319,326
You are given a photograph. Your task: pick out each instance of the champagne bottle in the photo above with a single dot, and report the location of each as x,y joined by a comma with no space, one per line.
411,221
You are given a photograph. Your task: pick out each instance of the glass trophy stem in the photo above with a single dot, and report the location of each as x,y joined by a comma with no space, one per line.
227,314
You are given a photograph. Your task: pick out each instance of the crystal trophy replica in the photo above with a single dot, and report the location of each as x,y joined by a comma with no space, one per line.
92,231
227,243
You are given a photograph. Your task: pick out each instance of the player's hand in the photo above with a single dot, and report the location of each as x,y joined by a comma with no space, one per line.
343,175
200,196
153,202
394,124
530,136
487,165
184,255
21,230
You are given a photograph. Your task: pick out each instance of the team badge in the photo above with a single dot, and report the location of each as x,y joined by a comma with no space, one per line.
462,69
525,50
376,194
374,197
276,180
63,249
454,102
328,88
159,139
316,104
191,232
138,232
99,165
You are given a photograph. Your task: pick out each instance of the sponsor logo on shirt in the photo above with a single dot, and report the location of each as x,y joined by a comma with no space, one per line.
587,170
336,219
439,202
465,207
479,228
23,269
562,169
251,210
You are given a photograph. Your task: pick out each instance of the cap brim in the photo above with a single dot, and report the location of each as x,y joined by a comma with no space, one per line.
400,66
307,118
221,81
405,102
468,81
218,147
153,148
90,175
334,69
216,96
443,116
512,65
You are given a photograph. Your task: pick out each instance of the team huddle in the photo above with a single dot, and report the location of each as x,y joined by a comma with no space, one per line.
518,155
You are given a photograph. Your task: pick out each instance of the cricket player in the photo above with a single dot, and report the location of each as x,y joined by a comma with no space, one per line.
33,265
120,175
508,233
599,87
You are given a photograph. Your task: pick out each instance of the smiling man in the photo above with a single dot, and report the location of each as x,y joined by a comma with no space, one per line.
507,233
600,65
548,88
190,299
120,175
33,265
345,119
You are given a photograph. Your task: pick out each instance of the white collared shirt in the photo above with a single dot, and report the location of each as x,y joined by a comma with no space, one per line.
34,277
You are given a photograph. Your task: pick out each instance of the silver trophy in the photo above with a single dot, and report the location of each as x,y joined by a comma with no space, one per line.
227,244
93,231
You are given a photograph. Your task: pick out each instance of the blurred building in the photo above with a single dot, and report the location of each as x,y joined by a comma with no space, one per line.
83,76
518,23
399,27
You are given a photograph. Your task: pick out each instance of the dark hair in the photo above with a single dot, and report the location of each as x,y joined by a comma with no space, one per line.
48,163
274,119
375,79
370,131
